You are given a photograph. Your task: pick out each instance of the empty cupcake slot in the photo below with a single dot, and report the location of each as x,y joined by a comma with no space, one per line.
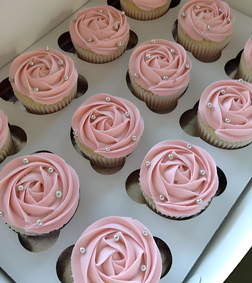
165,255
19,138
115,3
98,169
175,30
232,66
133,40
174,3
6,92
133,190
82,86
39,243
65,43
63,266
188,121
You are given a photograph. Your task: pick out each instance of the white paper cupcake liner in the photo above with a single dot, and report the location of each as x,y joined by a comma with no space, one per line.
7,149
38,108
204,51
134,12
243,71
208,135
153,101
98,159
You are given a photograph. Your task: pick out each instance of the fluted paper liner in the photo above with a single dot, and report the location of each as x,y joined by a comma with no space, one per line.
7,149
243,71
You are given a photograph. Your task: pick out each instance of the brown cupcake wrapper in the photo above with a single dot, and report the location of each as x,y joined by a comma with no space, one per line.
8,148
243,71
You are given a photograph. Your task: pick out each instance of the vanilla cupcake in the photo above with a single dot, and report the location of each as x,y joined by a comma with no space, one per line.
116,249
245,66
107,129
224,116
39,193
6,142
144,9
205,28
44,80
177,179
159,72
99,34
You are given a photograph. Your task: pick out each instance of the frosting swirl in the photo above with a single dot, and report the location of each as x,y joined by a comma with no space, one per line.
206,19
180,179
248,53
4,129
230,100
105,121
115,251
148,5
161,67
46,76
99,29
29,192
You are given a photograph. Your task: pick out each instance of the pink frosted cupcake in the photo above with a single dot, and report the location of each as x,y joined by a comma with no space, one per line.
6,143
205,28
44,80
178,179
107,129
116,249
39,193
225,114
245,66
99,34
145,9
159,71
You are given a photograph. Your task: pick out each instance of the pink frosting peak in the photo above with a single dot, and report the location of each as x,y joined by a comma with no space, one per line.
206,19
184,175
105,121
116,250
248,53
148,5
4,129
99,29
36,187
230,111
46,76
154,60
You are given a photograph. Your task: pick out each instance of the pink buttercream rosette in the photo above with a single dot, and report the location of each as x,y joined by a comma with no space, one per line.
45,80
159,71
39,193
107,129
178,180
118,250
225,114
99,34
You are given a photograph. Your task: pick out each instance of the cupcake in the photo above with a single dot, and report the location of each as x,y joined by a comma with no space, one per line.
6,143
39,193
224,116
44,80
159,72
99,34
177,179
116,249
107,129
245,66
205,28
144,9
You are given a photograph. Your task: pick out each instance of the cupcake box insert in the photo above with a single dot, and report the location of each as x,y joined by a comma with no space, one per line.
105,195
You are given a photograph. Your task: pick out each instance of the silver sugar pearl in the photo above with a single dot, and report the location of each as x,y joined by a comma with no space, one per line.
199,201
116,26
75,19
148,56
165,78
108,99
223,91
116,238
1,214
76,133
183,14
143,267
31,63
122,13
127,114
119,44
145,233
82,250
100,11
11,79
161,197
89,40
136,75
25,160
209,27
189,146
60,62
39,222
58,194
20,188
172,50
134,138
202,172
107,149
65,78
35,89
153,41
220,10
50,169
209,105
229,20
197,6
170,156
93,117
187,66
47,48
240,81
227,120
147,163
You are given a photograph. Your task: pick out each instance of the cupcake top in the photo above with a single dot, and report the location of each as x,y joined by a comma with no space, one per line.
206,19
109,125
179,177
44,74
102,29
4,129
160,66
118,250
148,5
248,53
38,193
226,107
